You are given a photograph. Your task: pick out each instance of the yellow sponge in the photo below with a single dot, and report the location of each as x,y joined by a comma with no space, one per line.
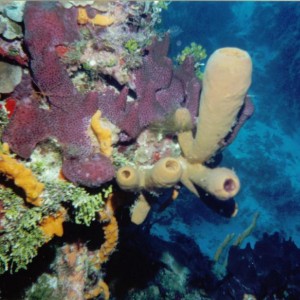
100,20
226,80
140,210
53,225
223,183
164,174
22,177
103,134
128,178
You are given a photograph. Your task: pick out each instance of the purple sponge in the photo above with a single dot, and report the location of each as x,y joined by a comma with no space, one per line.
91,171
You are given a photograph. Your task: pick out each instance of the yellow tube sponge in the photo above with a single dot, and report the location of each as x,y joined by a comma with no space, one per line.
226,80
222,183
22,177
139,211
128,178
164,174
219,182
182,120
103,134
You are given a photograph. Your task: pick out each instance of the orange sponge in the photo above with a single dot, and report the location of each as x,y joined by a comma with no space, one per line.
22,177
53,225
100,20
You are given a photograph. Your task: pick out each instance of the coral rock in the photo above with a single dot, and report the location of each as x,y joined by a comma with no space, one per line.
10,77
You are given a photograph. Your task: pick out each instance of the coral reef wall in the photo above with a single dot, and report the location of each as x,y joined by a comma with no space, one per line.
109,114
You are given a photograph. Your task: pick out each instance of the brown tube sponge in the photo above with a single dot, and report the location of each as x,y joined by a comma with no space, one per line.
128,178
226,80
164,174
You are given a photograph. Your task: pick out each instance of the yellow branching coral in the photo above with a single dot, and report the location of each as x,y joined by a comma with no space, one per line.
100,20
101,288
229,237
111,235
247,231
53,225
103,134
22,177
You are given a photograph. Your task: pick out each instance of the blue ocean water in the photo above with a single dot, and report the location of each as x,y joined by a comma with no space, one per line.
266,152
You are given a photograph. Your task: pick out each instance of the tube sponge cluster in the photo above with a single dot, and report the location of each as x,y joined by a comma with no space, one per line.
164,174
227,78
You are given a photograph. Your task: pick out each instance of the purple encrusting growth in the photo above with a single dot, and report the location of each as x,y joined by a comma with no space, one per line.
159,90
245,113
88,169
68,117
48,25
191,85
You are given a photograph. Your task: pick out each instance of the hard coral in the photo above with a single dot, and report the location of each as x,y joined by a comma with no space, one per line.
10,77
